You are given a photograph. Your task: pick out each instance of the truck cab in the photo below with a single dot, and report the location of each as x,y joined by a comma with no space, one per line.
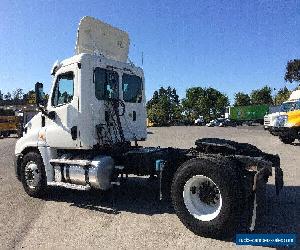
80,102
97,100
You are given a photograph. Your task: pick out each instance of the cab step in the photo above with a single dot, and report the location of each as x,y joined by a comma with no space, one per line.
82,163
69,185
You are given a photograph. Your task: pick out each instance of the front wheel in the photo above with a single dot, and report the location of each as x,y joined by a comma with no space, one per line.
287,139
33,175
206,198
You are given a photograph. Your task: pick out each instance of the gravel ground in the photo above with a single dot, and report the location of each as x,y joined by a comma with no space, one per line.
73,219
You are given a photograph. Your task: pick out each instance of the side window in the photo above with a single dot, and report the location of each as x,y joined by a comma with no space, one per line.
64,89
106,84
132,88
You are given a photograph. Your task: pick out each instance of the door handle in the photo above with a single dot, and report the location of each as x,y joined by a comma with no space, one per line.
134,116
74,132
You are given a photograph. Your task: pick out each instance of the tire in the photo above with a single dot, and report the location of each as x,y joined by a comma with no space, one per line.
33,176
287,139
222,219
5,134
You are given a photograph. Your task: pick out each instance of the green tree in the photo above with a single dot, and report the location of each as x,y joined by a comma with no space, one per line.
241,99
7,96
282,96
262,96
164,107
292,71
207,102
18,94
29,97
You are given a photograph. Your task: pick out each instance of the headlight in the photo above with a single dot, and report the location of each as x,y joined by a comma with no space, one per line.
281,121
42,134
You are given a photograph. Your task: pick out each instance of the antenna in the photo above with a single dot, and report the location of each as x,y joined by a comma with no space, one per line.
142,58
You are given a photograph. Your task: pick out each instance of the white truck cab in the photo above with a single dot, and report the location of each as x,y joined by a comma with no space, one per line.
287,125
78,109
271,120
97,100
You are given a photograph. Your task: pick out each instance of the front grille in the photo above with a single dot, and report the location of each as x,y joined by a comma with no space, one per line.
267,123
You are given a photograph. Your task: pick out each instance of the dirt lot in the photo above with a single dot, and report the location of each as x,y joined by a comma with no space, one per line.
73,219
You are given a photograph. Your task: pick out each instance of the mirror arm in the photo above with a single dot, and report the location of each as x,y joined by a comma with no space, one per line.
50,115
41,108
44,112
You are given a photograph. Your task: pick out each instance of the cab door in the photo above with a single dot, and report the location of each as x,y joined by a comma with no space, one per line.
61,125
134,119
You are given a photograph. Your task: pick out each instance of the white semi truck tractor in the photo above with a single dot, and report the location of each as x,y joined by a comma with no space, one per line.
86,137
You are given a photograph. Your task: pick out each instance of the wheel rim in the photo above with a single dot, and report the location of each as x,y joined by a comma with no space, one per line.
32,175
202,198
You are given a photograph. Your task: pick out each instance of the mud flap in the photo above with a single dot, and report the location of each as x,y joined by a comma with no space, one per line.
259,196
253,219
278,179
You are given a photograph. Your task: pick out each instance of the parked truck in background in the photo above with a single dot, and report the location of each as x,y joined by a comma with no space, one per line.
287,123
199,121
14,118
86,137
269,118
10,123
247,114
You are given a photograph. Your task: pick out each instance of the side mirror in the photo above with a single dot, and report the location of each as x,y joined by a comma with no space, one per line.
39,94
41,101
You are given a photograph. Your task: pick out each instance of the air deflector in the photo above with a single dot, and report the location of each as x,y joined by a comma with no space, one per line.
96,37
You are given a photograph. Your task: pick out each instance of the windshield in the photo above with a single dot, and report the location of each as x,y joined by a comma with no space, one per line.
132,88
290,106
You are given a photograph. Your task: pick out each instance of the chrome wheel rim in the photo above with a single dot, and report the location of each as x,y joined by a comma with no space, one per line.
32,175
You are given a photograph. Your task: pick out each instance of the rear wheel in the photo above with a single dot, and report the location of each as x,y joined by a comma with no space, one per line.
33,175
206,198
202,198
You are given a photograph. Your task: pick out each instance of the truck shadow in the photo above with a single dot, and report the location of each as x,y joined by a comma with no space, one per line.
296,143
280,214
136,195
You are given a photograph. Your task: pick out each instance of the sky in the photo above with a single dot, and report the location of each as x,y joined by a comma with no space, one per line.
229,45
